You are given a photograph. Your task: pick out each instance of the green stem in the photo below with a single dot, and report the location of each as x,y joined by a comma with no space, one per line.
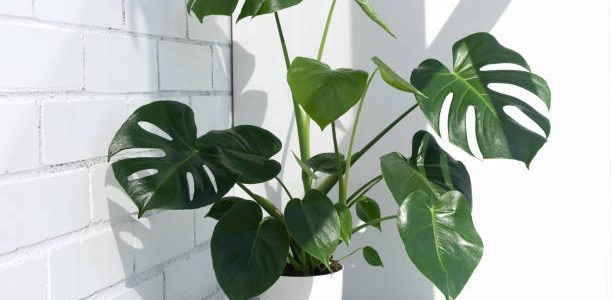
326,30
349,154
351,253
376,221
284,188
332,179
265,203
362,190
301,119
341,189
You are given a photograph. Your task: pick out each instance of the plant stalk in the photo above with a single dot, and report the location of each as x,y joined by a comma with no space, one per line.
326,30
332,179
376,221
362,190
341,189
267,205
282,184
350,254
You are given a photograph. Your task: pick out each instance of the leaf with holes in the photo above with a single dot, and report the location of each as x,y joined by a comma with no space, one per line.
325,94
498,135
440,239
248,252
192,172
251,8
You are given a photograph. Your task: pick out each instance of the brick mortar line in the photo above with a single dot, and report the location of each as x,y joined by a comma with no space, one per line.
18,20
28,175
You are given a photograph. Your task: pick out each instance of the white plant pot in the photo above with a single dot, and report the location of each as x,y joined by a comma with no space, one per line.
322,287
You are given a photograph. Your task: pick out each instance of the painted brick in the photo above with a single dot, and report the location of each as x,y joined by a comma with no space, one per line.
108,199
184,66
146,16
212,112
135,102
27,281
153,289
81,269
40,58
19,136
203,226
41,208
222,68
162,237
98,13
214,29
192,278
84,127
16,7
120,64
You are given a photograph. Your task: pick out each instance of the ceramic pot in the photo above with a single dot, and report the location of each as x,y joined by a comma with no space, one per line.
322,287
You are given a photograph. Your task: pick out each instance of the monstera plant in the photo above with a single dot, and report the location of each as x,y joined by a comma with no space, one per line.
167,166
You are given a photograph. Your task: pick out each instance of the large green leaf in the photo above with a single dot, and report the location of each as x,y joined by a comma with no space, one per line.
498,135
369,10
222,206
440,239
215,161
251,8
248,253
325,94
438,166
402,178
314,224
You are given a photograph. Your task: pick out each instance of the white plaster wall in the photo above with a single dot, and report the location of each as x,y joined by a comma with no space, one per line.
546,230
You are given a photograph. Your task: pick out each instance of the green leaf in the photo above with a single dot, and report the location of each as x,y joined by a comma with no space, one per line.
326,163
371,257
368,210
253,8
369,10
393,79
402,178
346,223
498,135
314,224
305,167
215,161
325,94
440,239
222,206
248,254
438,166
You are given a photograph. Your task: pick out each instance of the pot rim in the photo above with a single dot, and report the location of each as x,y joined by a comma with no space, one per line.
320,275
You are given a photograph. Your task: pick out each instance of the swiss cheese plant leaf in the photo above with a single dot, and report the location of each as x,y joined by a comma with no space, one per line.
393,79
248,253
440,239
251,8
326,163
346,223
368,210
498,135
438,166
214,162
314,224
324,93
371,257
222,206
403,178
369,10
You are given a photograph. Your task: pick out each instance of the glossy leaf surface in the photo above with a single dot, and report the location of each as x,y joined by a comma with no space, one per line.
346,223
222,206
326,163
498,134
371,257
215,161
440,239
314,224
402,178
393,79
368,210
251,8
325,94
248,253
371,13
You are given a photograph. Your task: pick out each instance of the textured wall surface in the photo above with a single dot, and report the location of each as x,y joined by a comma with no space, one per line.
71,71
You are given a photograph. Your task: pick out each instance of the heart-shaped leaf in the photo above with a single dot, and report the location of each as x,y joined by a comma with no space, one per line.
393,79
326,163
402,178
369,10
438,166
248,254
371,257
346,223
325,94
314,224
222,206
368,210
440,239
214,162
497,133
253,8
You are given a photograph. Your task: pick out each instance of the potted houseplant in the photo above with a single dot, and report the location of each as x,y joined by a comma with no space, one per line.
162,164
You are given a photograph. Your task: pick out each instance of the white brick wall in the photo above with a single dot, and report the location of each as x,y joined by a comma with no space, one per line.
72,71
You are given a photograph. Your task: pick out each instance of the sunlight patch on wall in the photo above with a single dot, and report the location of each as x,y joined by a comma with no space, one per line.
436,14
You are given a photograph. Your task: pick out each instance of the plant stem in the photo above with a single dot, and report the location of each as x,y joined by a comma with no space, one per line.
284,188
376,221
332,179
348,255
326,30
341,189
362,190
301,119
265,203
347,169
